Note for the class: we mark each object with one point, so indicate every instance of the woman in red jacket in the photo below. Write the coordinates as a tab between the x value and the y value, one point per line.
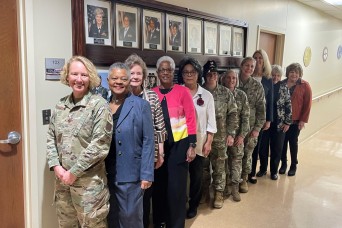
301	97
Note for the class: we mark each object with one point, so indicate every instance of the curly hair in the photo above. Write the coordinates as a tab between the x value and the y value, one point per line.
196	65
91	69
294	67
133	60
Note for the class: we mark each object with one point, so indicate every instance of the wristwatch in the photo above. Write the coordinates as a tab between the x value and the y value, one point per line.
193	145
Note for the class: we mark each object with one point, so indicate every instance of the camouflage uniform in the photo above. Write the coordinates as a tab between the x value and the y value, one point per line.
235	153
227	122
101	91
256	98
78	139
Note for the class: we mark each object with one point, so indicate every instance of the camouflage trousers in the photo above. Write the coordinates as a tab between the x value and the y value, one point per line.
234	164
217	159
249	144
83	204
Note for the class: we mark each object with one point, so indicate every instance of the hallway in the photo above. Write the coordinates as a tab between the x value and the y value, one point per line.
312	198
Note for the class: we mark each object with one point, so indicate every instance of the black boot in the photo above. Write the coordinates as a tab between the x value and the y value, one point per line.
283	168
292	171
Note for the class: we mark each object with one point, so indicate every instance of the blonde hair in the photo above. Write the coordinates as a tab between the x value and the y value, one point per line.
225	74
266	69
94	79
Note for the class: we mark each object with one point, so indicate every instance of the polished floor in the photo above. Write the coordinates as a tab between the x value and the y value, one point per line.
312	198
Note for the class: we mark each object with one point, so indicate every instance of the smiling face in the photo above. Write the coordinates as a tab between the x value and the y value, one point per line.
165	74
293	76
126	22
136	76
118	82
276	77
230	80
259	60
190	75
78	79
247	69
99	19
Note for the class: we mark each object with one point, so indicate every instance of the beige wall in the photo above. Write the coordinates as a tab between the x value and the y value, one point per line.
47	24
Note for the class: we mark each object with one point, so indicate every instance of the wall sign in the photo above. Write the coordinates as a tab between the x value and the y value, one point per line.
53	68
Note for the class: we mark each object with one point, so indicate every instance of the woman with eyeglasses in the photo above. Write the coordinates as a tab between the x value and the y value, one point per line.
189	73
130	162
169	193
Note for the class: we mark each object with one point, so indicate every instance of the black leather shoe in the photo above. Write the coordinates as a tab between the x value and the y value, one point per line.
274	177
261	173
160	225
192	212
282	169
252	180
292	171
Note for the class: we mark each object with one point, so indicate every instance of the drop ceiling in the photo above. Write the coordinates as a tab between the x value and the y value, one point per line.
321	5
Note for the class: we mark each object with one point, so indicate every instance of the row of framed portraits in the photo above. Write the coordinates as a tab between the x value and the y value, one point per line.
158	30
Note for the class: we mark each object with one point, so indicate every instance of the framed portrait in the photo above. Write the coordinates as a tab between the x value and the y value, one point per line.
97	22
153	29
225	40
127	26
194	36
210	38
174	33
151	81
238	40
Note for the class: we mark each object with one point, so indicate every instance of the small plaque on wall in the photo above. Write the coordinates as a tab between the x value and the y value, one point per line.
53	68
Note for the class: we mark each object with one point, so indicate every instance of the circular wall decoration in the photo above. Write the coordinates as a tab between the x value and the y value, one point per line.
307	56
325	54
339	52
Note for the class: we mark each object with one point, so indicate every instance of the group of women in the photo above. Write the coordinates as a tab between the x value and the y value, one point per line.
111	157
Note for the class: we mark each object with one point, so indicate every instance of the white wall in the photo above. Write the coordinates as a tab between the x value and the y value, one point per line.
49	35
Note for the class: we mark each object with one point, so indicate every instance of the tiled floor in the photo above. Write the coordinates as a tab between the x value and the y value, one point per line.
312	198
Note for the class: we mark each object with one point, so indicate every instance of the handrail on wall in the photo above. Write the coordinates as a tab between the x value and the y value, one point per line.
327	94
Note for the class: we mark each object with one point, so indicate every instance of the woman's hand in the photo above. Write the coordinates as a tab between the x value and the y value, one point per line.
254	134
145	184
59	171
160	161
285	127
238	140
266	125
229	140
190	154
301	125
68	178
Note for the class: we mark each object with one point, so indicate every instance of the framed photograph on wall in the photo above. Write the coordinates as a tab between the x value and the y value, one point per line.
175	33
210	38
238	40
127	26
194	36
225	40
153	29
97	22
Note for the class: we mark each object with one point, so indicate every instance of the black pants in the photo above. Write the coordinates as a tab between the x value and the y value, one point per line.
147	205
261	150
291	137
169	191
196	175
277	137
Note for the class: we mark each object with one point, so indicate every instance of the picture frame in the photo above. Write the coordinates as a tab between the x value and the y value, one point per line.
151	81
225	40
210	40
175	33
97	22
153	30
127	26
238	41
194	36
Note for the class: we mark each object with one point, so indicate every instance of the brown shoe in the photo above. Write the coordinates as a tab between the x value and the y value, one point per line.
243	186
218	200
235	193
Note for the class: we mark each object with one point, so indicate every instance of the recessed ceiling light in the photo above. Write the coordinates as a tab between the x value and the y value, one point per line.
334	2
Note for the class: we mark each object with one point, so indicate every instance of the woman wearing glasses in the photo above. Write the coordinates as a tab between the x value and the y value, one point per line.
169	193
189	73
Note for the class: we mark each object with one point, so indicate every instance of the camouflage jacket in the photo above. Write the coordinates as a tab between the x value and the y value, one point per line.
242	112
80	134
225	112
282	105
257	104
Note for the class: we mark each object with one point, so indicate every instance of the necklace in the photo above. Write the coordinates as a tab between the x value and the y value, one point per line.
116	101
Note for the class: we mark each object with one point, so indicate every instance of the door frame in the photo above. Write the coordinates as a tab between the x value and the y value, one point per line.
280	43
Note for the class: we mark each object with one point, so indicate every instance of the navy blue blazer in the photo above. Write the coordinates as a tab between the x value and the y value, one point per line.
268	88
134	140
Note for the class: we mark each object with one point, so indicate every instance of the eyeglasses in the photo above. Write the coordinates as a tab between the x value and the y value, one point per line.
167	70
200	101
189	73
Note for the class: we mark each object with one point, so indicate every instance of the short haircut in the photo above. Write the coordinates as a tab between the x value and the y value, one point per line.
276	69
247	59
121	66
294	67
225	74
133	60
91	69
99	11
166	59
193	62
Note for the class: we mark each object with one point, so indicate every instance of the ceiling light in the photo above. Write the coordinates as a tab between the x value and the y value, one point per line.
334	2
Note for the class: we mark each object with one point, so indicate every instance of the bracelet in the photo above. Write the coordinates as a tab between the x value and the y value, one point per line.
162	155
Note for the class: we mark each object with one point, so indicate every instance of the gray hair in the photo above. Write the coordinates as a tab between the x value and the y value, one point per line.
121	66
133	60
277	70
166	59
